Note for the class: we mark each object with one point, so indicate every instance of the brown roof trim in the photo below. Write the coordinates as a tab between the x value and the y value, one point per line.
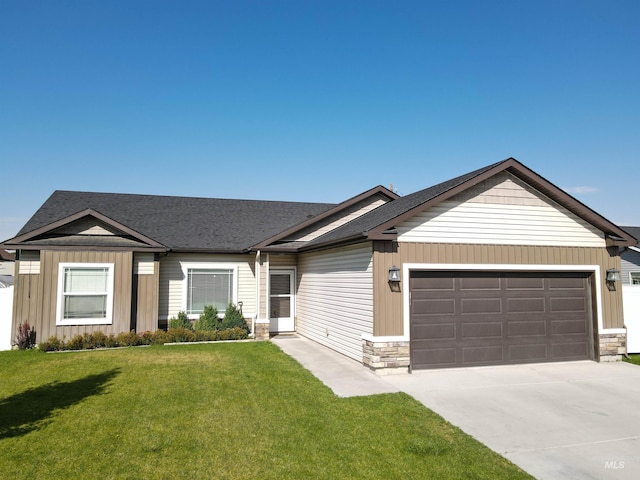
17	242
341	206
89	248
358	238
615	236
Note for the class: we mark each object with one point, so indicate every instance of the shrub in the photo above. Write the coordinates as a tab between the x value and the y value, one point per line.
128	339
161	337
111	341
51	345
99	340
235	333
181	321
146	338
26	337
233	318
208	320
181	335
76	343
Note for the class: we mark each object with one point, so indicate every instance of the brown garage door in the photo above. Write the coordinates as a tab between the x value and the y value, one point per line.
490	318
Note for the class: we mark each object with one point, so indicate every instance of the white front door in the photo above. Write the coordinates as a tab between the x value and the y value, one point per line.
281	300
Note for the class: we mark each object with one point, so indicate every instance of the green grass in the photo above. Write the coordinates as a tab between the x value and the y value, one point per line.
221	411
633	358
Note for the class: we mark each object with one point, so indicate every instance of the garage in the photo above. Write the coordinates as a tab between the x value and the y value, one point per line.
469	318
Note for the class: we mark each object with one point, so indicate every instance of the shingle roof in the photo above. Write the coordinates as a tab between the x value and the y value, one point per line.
183	223
633	231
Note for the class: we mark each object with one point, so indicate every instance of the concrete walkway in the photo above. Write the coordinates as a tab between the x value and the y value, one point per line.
346	377
572	420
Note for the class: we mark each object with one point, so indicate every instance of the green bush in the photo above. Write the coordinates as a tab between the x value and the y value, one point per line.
233	318
128	339
235	333
111	341
99	340
160	337
181	321
76	343
53	344
181	335
208	320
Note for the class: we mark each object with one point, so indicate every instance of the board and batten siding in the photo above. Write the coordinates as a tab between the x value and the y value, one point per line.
172	280
335	297
389	305
36	295
502	210
630	262
146	275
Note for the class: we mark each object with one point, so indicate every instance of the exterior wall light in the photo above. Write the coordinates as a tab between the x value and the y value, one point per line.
394	274
613	275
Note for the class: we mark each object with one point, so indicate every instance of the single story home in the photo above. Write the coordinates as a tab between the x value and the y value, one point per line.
497	266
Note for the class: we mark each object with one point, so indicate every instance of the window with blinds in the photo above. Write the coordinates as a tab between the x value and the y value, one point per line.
209	286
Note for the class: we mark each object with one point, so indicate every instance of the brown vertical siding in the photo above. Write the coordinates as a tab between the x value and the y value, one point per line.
388	304
147	300
36	296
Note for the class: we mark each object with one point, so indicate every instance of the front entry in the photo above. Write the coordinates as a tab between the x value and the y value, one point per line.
281	301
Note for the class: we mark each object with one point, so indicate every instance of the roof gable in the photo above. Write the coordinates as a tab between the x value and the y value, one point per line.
87	228
381	224
332	218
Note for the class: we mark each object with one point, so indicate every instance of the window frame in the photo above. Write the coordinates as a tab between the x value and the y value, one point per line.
631	274
108	319
229	267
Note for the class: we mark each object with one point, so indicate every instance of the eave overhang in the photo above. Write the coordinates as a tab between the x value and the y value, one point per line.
22	241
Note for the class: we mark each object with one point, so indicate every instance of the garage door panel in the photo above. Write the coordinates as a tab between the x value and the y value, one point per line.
481	330
432	283
483	355
476	306
568	304
438	357
566	282
526	328
526	283
434	307
492	318
528	353
569	351
438	331
479	283
526	305
564	327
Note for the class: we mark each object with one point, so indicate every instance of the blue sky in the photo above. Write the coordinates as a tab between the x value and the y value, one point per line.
315	100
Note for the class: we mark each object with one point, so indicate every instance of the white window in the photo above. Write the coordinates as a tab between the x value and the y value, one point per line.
634	278
85	294
212	284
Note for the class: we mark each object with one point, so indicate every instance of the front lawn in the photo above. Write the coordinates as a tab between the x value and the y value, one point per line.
633	358
223	411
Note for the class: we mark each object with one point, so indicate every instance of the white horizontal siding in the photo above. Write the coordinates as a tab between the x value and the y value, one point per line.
172	281
630	262
335	298
486	223
348	215
143	263
29	263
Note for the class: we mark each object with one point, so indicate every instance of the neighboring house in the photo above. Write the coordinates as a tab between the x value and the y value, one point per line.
630	277
7	262
497	266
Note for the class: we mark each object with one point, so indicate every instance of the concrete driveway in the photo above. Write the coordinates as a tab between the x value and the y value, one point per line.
576	420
